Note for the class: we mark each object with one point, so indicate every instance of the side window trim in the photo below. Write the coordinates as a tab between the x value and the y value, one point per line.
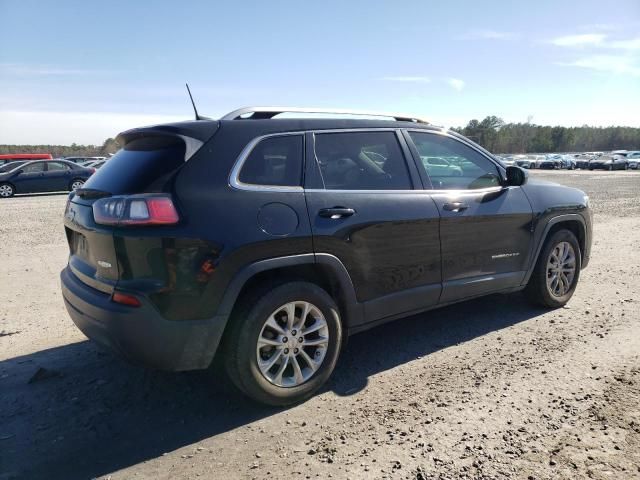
412	171
428	185
234	176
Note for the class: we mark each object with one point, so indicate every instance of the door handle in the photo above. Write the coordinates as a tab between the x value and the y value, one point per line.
336	212
455	206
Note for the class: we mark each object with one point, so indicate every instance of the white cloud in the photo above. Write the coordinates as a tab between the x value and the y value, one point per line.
615	64
42	70
630	44
456	83
408	79
587	39
599	40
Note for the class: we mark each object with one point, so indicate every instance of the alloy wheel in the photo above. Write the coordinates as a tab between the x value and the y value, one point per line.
6	191
292	344
561	269
77	184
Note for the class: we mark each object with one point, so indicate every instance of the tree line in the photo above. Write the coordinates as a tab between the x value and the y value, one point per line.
74	150
492	133
499	137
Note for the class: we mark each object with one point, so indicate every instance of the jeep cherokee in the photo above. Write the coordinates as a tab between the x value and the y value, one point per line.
269	240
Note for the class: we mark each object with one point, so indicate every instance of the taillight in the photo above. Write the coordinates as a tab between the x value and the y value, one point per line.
147	209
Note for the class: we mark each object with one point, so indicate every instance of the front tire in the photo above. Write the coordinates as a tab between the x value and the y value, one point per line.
7	190
557	270
283	344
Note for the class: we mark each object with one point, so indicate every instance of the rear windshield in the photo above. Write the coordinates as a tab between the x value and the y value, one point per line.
144	165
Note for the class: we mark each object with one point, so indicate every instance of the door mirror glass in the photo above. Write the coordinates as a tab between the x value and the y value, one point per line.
516	176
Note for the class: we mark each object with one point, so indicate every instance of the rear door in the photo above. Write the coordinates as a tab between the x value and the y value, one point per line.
368	210
485	228
58	175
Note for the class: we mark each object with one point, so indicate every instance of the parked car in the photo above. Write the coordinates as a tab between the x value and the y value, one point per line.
14	157
273	239
609	162
633	158
550	162
43	176
568	162
582	160
524	161
438	166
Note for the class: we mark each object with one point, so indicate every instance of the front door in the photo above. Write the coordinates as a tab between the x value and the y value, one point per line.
31	179
485	228
365	211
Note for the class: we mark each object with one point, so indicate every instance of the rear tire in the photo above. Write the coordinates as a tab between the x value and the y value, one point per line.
559	259
76	184
7	190
263	354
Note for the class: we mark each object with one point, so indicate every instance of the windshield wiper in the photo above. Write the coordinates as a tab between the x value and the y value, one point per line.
91	193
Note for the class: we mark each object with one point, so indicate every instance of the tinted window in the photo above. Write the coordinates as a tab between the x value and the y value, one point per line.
10	166
452	165
57	166
143	165
275	161
33	167
361	161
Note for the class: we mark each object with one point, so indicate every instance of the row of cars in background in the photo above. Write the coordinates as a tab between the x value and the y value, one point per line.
36	173
616	160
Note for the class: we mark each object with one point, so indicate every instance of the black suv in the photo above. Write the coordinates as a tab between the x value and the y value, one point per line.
270	240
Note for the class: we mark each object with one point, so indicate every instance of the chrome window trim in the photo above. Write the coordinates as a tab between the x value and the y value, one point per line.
234	176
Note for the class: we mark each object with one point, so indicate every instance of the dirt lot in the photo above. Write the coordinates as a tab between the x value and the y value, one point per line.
490	388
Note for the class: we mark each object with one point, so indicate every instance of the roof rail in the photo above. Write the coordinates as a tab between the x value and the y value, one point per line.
256	113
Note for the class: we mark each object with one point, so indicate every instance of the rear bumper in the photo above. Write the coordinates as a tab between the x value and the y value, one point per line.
141	335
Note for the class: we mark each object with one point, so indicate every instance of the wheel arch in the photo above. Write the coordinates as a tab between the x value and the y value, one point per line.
324	270
575	223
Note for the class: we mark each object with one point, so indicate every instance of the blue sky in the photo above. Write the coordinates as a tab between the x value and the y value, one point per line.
80	71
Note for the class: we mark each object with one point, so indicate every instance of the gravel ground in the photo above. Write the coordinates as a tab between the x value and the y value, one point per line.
490	388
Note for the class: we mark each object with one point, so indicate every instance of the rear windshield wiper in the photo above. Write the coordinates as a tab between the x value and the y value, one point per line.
91	193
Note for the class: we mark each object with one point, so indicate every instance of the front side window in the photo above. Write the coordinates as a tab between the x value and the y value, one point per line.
361	161
33	167
57	166
451	165
275	161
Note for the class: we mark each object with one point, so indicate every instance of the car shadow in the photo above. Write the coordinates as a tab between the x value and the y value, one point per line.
77	412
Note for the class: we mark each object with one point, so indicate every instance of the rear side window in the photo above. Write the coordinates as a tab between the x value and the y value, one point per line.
275	161
361	161
57	166
143	165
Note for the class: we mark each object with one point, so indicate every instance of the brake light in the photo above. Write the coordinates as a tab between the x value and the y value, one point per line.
125	299
136	210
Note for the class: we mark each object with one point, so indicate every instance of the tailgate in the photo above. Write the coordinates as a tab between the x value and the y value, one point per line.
92	254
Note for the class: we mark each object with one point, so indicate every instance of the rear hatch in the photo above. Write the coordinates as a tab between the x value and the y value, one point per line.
147	163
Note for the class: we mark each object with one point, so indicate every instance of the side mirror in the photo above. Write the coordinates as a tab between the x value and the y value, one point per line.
19	172
516	176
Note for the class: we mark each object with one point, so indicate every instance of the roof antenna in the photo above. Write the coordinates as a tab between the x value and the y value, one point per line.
198	117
